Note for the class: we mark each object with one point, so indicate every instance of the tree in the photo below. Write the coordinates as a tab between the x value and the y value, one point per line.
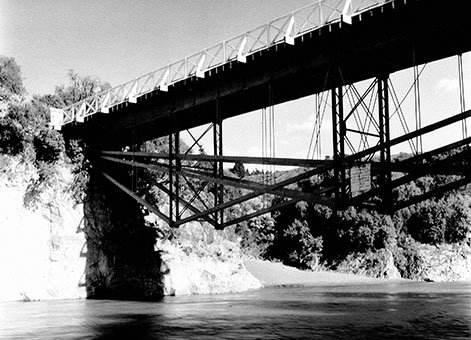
11	82
238	169
13	114
447	220
78	88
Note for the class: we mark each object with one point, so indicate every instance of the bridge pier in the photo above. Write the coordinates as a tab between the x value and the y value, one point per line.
121	261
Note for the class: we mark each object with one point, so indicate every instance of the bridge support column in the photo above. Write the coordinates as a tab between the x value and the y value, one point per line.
174	177
339	133
384	138
178	166
218	170
121	261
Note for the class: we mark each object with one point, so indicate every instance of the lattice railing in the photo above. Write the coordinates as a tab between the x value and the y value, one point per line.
280	30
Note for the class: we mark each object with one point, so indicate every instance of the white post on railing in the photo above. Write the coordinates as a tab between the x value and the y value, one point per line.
289	39
199	68
241	57
57	118
104	108
163	86
347	18
80	117
133	93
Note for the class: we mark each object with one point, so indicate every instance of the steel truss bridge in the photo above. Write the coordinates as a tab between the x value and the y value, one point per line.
324	49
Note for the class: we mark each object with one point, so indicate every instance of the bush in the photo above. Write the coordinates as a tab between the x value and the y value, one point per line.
49	145
47	178
76	152
407	258
11	137
257	235
365	230
458	226
445	221
296	246
428	223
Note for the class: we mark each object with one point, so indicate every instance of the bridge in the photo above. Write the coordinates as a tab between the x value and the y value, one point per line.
324	49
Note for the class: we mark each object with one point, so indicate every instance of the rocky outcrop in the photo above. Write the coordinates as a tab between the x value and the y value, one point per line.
42	247
441	263
446	262
379	264
203	260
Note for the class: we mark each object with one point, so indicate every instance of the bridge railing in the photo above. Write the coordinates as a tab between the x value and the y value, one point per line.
283	29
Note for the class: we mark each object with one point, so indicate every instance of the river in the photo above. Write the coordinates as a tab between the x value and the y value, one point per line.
400	310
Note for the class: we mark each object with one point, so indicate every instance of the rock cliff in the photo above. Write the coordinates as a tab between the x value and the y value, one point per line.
42	249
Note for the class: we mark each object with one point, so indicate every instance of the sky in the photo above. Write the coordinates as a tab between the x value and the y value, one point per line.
121	40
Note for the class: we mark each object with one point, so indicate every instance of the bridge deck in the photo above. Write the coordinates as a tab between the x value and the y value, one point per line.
382	40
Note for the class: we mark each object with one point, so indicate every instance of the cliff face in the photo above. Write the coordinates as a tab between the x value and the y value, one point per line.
42	250
102	249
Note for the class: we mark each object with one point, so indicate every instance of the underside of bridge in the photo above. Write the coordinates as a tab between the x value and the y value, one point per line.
330	60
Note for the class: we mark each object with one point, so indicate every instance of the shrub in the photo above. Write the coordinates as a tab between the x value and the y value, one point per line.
47	178
257	235
428	224
365	230
407	258
445	221
49	145
458	224
76	152
11	137
295	245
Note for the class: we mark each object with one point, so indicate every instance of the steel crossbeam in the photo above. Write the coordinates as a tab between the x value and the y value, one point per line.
299	162
249	185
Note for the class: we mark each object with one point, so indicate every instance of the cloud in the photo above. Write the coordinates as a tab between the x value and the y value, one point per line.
308	125
305	126
447	85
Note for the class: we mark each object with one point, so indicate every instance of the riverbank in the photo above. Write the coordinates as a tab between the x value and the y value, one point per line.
271	274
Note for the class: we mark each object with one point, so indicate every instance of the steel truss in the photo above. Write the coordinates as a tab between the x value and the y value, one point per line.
361	135
411	168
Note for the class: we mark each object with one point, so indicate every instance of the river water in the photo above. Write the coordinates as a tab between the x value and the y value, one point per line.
400	311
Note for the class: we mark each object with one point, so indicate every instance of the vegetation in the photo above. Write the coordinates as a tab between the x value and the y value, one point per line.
306	235
25	132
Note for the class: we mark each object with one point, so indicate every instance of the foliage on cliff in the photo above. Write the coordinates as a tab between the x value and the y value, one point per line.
25	132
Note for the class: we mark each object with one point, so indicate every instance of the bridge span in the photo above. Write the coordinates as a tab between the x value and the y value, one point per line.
325	47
